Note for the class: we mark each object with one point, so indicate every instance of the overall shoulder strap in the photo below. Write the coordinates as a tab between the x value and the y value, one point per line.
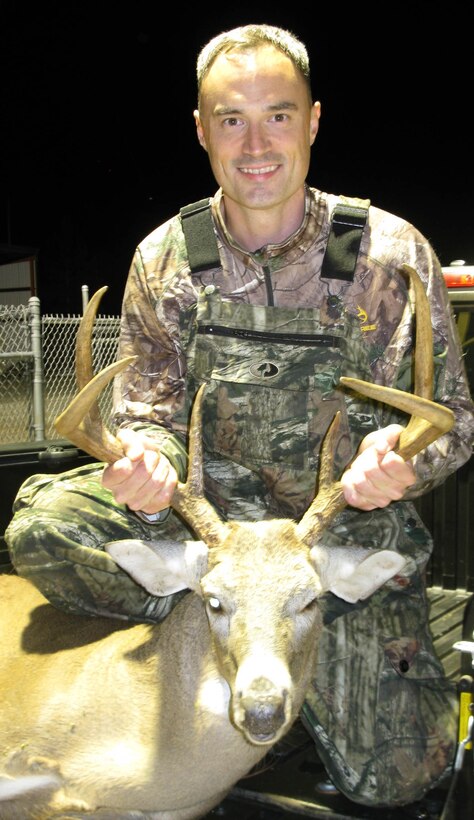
198	229
347	224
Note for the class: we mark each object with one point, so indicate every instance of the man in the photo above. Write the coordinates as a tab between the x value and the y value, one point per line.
270	323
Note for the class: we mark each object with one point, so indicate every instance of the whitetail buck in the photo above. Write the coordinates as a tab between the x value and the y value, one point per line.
104	719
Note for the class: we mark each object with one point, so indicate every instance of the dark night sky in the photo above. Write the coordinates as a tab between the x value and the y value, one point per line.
97	136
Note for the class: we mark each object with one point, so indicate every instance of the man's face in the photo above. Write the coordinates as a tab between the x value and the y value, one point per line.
257	124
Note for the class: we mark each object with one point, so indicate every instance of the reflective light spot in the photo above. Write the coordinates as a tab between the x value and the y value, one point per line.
213	696
124	756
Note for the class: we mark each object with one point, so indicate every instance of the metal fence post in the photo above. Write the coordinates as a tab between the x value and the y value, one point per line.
85	297
38	380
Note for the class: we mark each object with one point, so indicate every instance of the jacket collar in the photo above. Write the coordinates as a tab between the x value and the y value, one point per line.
313	230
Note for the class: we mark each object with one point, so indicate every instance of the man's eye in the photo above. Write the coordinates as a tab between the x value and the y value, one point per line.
231	121
280	117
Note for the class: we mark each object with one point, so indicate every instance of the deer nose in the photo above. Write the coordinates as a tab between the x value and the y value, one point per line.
264	710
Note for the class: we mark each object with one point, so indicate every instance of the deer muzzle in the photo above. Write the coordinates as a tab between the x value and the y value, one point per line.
263	712
262	699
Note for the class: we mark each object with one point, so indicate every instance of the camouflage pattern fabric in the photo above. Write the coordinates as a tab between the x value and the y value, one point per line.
381	712
271	395
56	540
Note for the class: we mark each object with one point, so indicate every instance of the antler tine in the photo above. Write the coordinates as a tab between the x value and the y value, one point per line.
189	498
428	420
81	422
83	360
329	499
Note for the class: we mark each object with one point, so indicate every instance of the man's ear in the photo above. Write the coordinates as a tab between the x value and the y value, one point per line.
314	121
199	130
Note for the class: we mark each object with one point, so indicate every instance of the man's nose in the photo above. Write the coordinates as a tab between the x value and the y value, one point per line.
256	139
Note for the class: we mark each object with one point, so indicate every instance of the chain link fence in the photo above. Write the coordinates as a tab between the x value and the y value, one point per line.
37	378
59	339
16	374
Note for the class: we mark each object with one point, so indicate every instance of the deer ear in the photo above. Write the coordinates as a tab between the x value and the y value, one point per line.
354	573
161	567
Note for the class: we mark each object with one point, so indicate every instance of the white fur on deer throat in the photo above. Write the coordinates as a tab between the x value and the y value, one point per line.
214	696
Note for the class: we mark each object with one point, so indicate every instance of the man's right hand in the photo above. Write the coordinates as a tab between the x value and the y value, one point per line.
144	478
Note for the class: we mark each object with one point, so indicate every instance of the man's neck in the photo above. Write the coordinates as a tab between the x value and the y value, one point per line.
253	229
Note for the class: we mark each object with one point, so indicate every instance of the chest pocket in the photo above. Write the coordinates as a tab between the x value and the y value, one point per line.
273	390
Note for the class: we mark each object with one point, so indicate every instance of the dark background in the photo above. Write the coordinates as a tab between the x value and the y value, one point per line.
97	141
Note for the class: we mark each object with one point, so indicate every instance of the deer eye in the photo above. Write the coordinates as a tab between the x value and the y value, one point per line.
214	603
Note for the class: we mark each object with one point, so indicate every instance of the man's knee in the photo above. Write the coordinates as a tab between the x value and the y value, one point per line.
56	538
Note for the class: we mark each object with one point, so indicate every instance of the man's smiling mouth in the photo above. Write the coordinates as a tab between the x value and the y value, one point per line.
256	171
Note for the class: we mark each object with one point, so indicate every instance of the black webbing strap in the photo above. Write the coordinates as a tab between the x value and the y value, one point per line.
347	225
198	229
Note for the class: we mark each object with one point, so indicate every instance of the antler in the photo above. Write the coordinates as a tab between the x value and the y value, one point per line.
427	422
81	423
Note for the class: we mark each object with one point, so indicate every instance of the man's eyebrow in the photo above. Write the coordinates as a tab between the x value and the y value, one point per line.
284	105
229	111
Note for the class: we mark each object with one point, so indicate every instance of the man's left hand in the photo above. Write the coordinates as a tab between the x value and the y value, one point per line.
377	475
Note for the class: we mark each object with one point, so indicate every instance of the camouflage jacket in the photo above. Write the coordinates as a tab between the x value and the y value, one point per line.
161	297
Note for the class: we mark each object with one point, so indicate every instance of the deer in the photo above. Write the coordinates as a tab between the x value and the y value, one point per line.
104	718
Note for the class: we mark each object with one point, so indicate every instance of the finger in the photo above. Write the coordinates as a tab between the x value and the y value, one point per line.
361	494
397	469
155	493
117	473
132	444
374	481
139	483
383	440
126	478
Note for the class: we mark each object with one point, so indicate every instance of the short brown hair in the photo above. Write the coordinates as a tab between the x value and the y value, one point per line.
250	37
